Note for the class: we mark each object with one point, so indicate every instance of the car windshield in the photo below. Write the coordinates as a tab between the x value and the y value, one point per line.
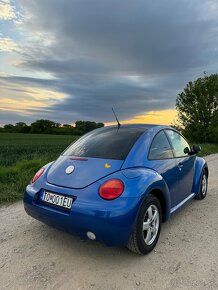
107	143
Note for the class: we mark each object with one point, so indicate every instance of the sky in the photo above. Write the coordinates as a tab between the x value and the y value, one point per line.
69	60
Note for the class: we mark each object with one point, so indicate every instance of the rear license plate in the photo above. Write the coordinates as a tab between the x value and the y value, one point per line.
57	200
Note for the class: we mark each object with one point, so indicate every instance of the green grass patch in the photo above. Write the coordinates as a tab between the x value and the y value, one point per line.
21	155
13	179
208	148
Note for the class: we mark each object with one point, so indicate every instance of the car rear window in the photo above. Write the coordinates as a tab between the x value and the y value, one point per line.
107	143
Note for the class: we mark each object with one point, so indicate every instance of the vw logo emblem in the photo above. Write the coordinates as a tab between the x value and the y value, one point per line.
69	169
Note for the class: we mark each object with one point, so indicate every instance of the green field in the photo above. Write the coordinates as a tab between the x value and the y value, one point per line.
21	155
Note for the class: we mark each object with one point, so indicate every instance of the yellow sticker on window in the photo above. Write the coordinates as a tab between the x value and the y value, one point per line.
107	165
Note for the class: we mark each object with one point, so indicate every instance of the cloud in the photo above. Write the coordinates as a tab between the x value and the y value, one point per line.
86	96
7	45
132	55
138	37
7	10
26	98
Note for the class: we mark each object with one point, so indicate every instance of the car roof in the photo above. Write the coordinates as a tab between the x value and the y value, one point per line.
142	126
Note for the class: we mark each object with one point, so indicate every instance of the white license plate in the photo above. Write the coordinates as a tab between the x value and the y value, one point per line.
57	200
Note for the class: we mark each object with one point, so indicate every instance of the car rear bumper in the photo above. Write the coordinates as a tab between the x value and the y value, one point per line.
110	221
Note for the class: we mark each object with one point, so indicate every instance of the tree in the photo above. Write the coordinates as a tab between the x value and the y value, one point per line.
8	127
197	108
20	124
21	127
57	125
100	125
83	127
42	126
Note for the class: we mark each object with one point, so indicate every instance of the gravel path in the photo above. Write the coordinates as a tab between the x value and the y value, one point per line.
34	256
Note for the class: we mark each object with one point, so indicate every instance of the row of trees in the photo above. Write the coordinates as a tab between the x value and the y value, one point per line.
50	127
197	108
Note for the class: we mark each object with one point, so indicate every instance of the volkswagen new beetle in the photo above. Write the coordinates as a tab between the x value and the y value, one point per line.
117	185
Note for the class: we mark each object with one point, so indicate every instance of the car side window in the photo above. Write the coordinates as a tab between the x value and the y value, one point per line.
160	148
178	142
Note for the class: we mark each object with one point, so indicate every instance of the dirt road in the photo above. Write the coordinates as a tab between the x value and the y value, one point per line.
34	256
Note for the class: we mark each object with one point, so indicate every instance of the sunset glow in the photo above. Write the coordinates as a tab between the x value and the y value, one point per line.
164	117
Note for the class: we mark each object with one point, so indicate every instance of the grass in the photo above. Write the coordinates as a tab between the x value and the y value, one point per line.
21	155
208	148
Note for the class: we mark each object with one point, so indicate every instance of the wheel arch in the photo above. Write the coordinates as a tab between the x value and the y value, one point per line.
161	198
207	170
145	181
161	192
200	165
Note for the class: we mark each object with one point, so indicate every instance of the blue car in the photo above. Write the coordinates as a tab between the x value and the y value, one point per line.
117	185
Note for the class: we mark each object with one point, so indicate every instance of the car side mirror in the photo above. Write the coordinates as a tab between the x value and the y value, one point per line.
186	150
196	149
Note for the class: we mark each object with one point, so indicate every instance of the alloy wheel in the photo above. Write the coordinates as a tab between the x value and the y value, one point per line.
151	223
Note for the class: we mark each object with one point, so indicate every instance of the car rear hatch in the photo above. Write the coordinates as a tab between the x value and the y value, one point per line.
85	171
93	156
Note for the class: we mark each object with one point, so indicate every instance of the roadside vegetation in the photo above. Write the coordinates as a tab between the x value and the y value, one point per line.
208	148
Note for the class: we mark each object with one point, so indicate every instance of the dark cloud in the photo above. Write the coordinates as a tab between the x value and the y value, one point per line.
133	55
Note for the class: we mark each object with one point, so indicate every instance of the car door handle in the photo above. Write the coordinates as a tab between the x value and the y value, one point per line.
180	165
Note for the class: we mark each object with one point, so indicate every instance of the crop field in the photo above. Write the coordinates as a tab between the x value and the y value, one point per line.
21	155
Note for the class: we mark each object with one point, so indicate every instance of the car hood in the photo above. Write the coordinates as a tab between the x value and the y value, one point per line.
86	171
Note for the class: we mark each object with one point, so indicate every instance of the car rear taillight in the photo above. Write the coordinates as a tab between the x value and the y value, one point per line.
111	189
38	174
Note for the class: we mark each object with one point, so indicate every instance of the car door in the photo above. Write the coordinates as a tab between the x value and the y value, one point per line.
185	164
161	159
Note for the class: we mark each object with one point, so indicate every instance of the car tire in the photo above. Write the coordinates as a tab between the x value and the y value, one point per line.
203	186
147	227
